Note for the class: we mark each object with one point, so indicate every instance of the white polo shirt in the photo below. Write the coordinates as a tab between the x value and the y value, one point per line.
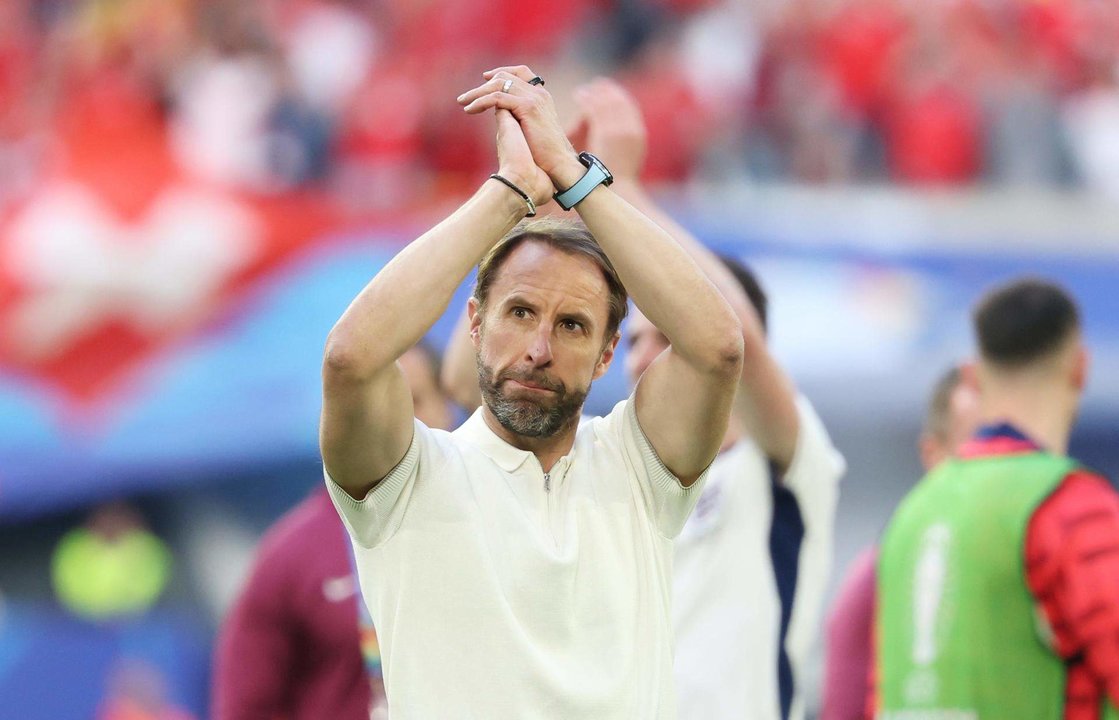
751	570
501	592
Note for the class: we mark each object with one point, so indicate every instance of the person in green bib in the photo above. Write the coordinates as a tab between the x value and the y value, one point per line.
998	577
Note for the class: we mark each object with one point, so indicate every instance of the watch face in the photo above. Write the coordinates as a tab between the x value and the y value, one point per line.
597	174
592	160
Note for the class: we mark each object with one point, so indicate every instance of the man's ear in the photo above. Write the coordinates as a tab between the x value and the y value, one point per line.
607	356
1080	363
969	375
931	450
475	315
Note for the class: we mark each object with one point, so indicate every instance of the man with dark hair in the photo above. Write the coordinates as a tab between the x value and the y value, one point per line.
297	643
998	578
748	281
752	563
520	566
950	419
1019	323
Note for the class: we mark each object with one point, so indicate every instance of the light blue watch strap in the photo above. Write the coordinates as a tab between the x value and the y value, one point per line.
574	195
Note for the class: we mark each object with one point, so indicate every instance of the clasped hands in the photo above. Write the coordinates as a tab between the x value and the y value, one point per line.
532	149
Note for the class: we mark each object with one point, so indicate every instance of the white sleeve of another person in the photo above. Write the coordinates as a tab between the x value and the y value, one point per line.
813	478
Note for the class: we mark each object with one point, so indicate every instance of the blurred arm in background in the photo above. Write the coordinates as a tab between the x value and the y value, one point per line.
459	375
610	125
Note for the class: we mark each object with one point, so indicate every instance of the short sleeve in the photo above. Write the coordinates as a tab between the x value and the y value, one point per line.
376	517
813	479
1072	567
668	501
814	473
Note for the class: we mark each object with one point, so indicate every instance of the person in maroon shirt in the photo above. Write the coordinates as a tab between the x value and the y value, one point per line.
289	649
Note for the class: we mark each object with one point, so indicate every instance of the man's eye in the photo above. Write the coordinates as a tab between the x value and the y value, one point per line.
520	312
572	325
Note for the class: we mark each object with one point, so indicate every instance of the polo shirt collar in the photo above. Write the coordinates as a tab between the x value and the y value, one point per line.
478	433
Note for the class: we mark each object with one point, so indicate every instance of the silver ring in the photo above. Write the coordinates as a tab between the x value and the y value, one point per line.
505	87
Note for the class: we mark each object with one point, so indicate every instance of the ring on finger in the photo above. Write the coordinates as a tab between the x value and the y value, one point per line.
536	81
506	85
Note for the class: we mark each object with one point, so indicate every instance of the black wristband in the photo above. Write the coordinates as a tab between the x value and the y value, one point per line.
522	193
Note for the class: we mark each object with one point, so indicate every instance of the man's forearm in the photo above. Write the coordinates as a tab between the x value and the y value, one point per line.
413	290
664	281
725	282
765	403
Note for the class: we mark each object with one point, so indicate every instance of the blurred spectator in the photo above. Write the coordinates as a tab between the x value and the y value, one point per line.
932	123
138	691
19	137
802	130
352	97
1092	118
719	53
1025	141
111	566
298	642
224	97
330	49
951	419
678	122
858	44
933	135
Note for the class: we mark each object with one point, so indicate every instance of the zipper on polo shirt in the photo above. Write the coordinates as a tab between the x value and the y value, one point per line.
547	482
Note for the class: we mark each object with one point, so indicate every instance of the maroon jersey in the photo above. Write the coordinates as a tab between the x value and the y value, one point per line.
289	648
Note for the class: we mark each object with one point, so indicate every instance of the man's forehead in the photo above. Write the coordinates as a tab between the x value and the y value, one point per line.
538	267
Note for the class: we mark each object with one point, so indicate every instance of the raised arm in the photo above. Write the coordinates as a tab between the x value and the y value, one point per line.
367	407
459	373
684	399
611	126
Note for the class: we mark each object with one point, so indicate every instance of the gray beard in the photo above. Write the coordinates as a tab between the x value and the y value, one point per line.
529	418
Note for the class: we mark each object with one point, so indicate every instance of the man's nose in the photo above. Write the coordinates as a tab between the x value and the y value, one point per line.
540	346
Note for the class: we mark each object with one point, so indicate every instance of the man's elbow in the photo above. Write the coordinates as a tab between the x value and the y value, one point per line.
344	360
339	359
728	352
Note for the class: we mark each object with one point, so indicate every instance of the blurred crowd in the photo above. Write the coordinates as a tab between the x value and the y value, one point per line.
355	98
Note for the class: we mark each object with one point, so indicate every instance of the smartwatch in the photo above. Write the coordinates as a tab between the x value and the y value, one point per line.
596	175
